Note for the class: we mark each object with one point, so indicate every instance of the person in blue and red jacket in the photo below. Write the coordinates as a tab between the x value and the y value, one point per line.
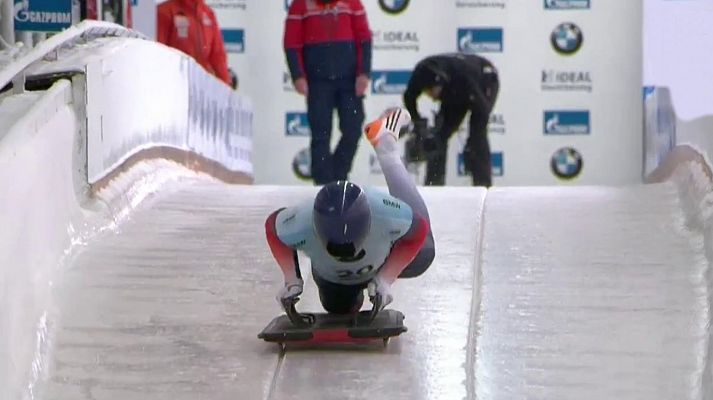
328	49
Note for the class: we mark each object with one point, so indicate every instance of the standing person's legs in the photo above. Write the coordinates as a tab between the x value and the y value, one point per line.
436	163
351	118
477	149
476	153
448	121
321	99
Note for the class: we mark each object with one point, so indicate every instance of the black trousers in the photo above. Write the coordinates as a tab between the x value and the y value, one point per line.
339	299
476	152
346	299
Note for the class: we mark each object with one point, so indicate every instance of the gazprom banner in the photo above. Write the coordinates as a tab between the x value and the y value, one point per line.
564	115
43	15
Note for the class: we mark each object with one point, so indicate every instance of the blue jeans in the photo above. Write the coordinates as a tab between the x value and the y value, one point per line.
323	97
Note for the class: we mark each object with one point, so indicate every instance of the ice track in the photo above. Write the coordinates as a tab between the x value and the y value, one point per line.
535	293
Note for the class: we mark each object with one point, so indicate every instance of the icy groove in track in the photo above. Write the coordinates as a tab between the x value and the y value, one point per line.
276	374
475	308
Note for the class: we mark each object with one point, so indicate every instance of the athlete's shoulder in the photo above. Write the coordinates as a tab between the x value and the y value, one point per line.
387	206
294	224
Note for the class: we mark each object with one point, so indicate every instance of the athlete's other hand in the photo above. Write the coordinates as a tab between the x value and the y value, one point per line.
290	293
379	294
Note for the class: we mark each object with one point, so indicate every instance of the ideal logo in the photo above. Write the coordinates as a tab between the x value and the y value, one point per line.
389	82
396	40
396	36
566	122
567	4
480	40
570	81
497	164
234	40
296	124
496	124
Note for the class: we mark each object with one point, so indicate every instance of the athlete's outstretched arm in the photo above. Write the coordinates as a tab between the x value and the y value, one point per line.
285	256
383	134
405	249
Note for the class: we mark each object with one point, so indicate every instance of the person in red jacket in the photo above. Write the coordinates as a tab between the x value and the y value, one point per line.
328	49
191	26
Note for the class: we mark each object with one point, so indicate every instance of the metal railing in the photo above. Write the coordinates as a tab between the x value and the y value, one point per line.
14	63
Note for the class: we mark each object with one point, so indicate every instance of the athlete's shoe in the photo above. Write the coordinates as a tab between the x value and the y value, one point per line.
389	123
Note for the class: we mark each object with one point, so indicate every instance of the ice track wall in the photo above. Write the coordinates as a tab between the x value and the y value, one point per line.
169	103
61	147
39	215
689	168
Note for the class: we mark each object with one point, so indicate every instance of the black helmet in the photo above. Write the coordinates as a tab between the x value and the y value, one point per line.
342	219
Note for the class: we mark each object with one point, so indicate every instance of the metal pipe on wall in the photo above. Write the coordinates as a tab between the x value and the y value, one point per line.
7	23
25	38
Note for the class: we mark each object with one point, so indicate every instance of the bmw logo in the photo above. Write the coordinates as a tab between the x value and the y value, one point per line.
566	163
393	6
301	164
567	38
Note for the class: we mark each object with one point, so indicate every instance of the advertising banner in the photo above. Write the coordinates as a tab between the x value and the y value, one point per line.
43	15
569	107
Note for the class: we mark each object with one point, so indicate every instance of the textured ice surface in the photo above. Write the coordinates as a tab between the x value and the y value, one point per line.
590	293
584	293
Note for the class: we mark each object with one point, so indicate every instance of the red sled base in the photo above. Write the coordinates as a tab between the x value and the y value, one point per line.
332	328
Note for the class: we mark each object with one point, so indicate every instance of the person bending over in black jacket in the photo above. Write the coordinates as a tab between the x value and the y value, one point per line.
462	83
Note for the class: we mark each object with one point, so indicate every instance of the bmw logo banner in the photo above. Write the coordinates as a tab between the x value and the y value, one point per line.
569	109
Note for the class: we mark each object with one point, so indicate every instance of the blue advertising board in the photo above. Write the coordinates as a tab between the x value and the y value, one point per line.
43	15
